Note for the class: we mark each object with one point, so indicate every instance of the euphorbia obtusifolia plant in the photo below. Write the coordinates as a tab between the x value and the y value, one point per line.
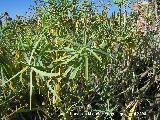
70	59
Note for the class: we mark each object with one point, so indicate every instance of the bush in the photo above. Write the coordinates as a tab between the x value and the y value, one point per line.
68	59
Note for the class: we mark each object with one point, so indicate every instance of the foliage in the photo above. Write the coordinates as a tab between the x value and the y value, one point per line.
69	58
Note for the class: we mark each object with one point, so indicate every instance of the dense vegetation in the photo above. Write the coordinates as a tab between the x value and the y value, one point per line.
70	57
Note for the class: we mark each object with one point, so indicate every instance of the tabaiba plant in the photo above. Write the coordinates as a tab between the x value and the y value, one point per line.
70	58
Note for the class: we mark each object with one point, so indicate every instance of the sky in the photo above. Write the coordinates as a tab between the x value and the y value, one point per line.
20	7
15	7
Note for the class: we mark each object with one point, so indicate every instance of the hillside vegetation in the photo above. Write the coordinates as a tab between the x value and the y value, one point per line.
71	57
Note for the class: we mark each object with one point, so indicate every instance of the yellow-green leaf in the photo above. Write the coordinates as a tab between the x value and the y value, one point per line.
73	74
43	73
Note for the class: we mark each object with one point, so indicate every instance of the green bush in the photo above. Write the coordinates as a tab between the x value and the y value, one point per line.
68	58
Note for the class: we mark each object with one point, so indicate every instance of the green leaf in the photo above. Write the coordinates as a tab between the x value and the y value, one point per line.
24	54
103	45
24	69
43	73
21	79
95	55
43	20
70	59
44	48
62	58
74	56
67	71
104	53
7	67
68	49
33	51
73	74
30	93
52	91
86	67
2	76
